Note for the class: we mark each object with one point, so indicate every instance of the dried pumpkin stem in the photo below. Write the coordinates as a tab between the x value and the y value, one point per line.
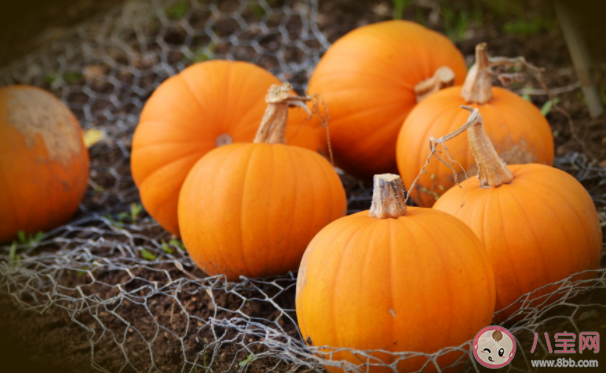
492	171
273	126
444	77
478	84
388	197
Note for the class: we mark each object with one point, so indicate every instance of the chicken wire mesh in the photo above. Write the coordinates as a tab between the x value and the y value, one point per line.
131	286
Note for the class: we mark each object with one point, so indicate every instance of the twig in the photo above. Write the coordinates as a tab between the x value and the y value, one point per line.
553	91
433	147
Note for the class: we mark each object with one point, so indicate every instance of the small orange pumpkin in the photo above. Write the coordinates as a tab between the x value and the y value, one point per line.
370	79
251	209
394	279
205	106
43	161
538	224
519	131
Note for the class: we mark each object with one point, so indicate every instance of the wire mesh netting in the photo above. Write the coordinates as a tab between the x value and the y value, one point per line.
128	284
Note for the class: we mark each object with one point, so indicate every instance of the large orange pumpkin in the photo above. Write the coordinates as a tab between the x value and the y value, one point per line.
519	131
43	161
370	79
538	224
205	106
251	209
394	279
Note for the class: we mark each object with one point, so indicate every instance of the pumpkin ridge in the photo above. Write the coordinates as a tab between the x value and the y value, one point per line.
428	234
562	198
356	231
586	235
536	243
247	175
546	203
295	193
141	180
326	177
192	92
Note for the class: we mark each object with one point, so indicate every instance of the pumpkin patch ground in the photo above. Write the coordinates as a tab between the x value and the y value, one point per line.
113	290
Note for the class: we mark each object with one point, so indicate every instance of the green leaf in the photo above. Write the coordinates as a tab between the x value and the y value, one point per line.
556	133
72	77
147	255
548	105
527	97
135	209
37	238
257	10
176	243
166	248
177	10
21	236
398	8
12	254
249	359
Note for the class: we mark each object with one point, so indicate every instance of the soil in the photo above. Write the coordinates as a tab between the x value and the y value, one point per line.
53	342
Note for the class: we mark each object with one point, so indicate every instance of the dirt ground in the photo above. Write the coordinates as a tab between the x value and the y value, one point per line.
53	342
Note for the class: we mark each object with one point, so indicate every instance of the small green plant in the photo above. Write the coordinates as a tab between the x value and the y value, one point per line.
249	359
147	255
14	260
556	133
72	77
257	10
50	78
167	249
177	10
398	8
135	210
30	239
455	24
522	27
546	108
176	243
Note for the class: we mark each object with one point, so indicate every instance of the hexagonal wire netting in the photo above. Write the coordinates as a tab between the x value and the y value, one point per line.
131	286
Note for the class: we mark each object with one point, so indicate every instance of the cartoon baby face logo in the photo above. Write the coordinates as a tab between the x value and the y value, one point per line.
494	347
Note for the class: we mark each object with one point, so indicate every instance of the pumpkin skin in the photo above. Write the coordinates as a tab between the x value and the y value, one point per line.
251	209
43	161
419	282
540	228
188	115
367	80
517	129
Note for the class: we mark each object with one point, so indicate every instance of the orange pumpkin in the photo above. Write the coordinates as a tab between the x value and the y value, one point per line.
370	79
538	224
205	106
251	209
43	161
394	279
519	131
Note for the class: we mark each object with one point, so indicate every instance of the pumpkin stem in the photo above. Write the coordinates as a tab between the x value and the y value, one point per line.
492	171
273	126
478	84
387	197
444	77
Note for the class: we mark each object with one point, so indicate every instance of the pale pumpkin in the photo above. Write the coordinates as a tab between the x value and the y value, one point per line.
518	130
43	161
205	106
538	224
251	209
370	79
394	279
